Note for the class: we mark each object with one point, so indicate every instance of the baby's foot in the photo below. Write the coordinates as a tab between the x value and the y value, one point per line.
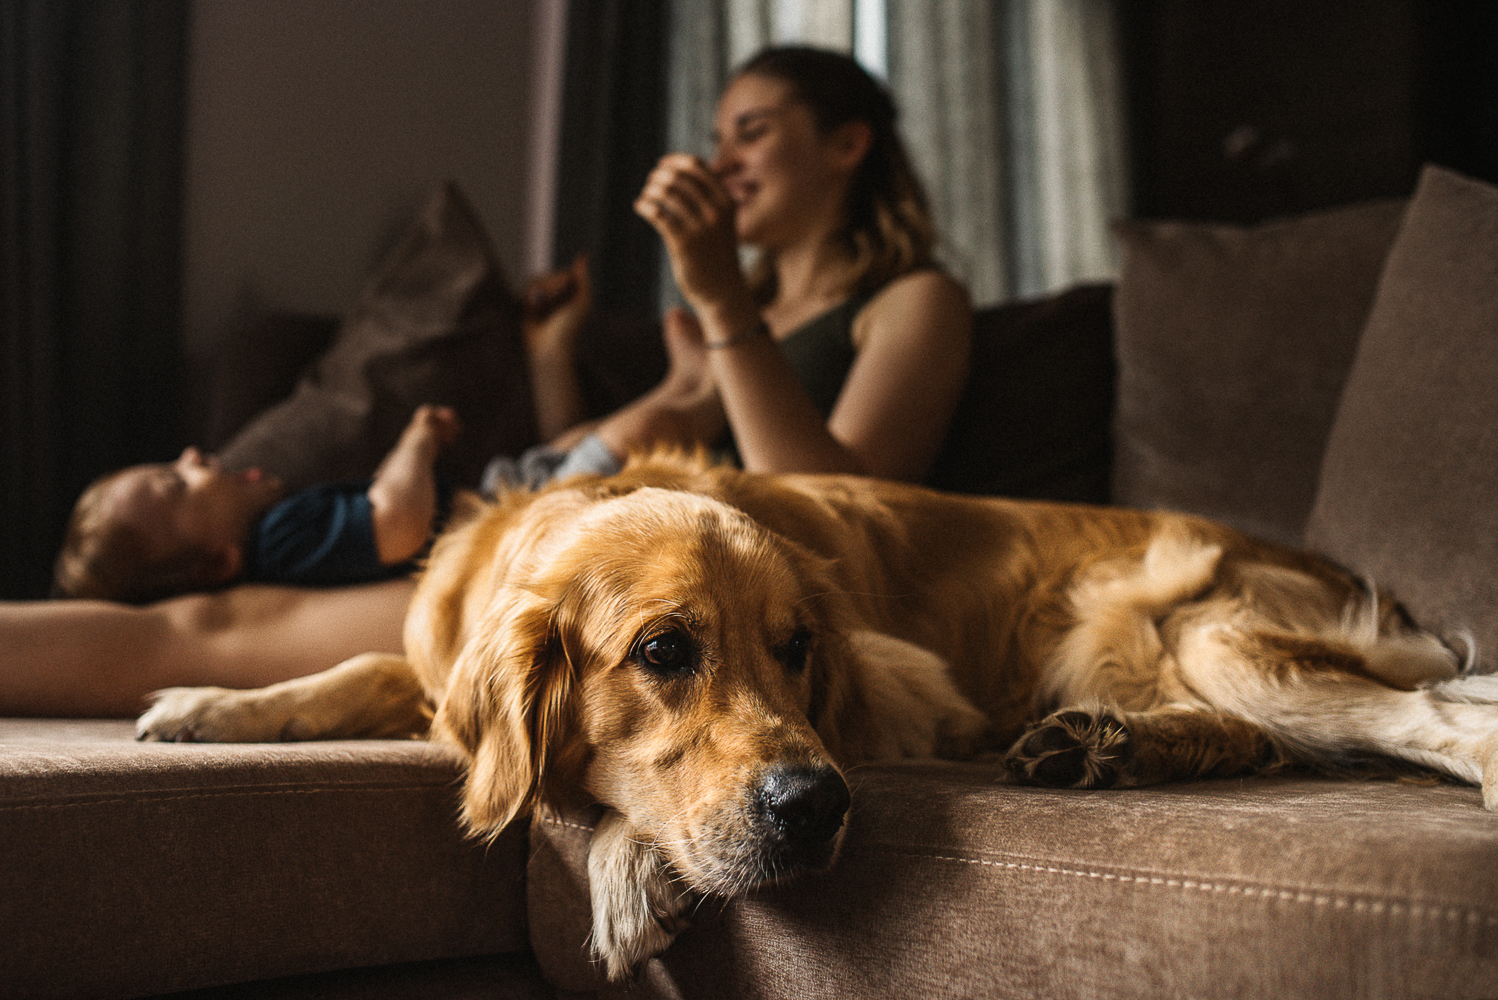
555	307
687	376
430	429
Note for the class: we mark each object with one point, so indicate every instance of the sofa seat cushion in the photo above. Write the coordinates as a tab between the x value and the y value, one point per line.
951	885
132	869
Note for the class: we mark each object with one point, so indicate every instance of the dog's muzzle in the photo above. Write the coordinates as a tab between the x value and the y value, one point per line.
799	809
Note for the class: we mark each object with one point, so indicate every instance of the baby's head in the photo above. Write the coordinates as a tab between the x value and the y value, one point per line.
150	531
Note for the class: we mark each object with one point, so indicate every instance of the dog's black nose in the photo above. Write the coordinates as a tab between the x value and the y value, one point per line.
804	803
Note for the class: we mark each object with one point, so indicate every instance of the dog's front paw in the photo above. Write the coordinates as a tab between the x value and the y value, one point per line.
1073	749
209	715
639	906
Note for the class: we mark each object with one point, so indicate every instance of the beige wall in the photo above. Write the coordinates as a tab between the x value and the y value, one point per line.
315	127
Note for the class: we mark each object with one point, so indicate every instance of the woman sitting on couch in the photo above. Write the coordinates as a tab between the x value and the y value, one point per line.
845	350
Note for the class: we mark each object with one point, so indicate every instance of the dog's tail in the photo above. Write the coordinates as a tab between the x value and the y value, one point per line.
1395	652
1114	649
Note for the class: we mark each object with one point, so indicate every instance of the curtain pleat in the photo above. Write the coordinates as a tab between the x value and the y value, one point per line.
92	93
613	131
947	73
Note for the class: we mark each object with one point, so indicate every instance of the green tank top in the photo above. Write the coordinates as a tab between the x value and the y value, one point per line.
820	353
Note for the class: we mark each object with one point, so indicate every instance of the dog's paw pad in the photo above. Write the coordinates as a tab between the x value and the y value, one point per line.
1073	749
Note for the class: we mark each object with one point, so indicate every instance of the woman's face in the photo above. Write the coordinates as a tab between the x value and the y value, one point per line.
785	176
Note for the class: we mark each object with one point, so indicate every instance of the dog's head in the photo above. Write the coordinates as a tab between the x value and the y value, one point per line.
661	653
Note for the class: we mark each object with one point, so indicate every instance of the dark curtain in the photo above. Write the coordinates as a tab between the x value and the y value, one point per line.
91	123
613	131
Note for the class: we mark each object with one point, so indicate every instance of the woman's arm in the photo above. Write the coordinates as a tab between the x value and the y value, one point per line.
913	341
98	659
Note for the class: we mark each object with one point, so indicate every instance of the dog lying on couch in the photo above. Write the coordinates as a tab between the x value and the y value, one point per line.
704	651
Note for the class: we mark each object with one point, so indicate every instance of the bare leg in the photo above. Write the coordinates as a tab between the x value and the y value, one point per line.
556	307
97	659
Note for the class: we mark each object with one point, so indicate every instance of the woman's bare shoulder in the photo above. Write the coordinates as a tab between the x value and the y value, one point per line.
927	283
928	302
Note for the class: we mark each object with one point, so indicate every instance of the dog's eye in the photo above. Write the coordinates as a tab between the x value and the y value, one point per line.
793	654
667	653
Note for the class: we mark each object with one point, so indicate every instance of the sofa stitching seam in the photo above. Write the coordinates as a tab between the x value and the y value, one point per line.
1321	899
228	793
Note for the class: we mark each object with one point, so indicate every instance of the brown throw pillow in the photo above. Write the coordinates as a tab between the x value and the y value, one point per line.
1233	344
436	324
1033	419
1409	487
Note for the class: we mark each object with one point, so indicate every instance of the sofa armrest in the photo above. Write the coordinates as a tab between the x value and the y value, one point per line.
140	868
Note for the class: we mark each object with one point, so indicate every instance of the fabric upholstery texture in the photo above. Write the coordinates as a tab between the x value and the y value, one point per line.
1034	418
1409	488
951	885
1233	344
133	869
436	324
514	976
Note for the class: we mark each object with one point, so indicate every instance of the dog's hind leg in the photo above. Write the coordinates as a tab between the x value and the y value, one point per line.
1328	700
1108	748
1339	721
370	696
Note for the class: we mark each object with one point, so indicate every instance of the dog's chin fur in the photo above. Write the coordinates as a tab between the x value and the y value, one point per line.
701	650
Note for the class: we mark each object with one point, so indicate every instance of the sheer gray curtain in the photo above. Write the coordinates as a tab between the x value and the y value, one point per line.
1012	110
90	177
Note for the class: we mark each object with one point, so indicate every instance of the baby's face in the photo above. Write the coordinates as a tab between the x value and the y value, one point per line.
192	500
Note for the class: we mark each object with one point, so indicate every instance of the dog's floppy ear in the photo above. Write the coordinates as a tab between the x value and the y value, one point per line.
507	705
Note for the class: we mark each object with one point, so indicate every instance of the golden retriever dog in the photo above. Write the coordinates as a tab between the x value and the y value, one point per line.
703	651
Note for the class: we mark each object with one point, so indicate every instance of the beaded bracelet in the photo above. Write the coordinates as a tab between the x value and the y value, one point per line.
760	329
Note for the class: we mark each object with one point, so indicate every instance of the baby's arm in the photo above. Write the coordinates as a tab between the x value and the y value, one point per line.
403	496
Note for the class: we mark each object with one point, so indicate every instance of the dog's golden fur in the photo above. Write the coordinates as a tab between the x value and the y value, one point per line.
700	650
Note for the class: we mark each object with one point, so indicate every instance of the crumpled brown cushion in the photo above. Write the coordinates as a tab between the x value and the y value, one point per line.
1233	344
436	324
1409	487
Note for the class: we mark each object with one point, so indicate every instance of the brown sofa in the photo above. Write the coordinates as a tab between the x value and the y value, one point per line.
1326	379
